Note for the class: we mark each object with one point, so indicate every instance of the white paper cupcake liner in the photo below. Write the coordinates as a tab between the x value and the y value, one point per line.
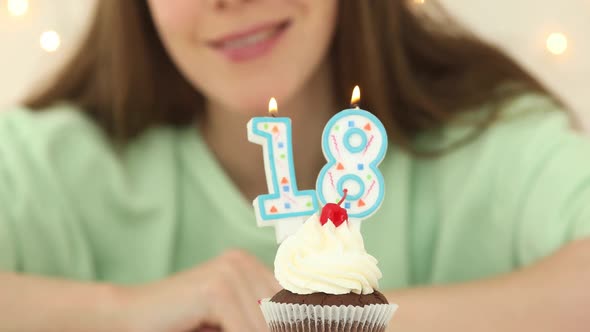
282	317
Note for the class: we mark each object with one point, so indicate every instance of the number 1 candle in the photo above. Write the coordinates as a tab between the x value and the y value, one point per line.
284	207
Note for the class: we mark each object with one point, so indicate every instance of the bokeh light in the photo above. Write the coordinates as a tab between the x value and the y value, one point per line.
50	41
17	7
557	43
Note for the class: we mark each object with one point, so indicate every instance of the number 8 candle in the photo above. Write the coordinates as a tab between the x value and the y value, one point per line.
285	207
354	143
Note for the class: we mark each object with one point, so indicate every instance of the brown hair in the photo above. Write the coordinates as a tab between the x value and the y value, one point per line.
419	71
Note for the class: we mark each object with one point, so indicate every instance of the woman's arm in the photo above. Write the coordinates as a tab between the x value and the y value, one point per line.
553	295
219	293
41	304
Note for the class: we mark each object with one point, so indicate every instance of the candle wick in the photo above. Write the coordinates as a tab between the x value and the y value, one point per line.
273	114
345	191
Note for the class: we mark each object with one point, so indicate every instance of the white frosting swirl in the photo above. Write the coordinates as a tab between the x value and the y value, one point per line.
326	259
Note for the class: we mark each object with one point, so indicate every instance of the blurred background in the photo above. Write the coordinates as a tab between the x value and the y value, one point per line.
548	37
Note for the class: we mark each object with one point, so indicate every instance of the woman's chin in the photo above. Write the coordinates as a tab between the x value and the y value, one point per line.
255	103
243	106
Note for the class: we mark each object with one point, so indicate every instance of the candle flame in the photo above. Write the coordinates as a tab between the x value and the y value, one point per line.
273	107
356	96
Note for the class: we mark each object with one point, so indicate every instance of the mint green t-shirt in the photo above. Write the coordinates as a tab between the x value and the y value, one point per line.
71	207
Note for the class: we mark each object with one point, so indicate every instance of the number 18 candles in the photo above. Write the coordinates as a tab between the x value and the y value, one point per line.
354	143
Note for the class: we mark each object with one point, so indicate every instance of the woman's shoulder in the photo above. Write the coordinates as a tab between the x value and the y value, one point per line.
532	125
523	119
538	165
49	146
531	132
63	125
64	143
65	128
531	112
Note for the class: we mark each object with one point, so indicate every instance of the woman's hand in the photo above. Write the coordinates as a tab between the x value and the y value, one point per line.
220	293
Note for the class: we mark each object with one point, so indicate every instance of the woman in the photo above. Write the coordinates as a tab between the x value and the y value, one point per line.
126	181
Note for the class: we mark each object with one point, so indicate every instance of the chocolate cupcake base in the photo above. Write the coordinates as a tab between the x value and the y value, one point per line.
287	312
359	300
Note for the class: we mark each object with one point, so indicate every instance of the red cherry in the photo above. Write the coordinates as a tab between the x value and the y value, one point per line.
334	212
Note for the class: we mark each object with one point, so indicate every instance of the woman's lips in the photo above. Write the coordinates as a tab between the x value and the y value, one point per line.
252	43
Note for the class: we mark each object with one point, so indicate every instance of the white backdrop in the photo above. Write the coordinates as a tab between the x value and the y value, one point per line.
519	26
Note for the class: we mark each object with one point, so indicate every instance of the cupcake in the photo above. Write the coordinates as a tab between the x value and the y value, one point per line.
330	282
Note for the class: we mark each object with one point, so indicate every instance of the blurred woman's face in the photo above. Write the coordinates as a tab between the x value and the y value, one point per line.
239	53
